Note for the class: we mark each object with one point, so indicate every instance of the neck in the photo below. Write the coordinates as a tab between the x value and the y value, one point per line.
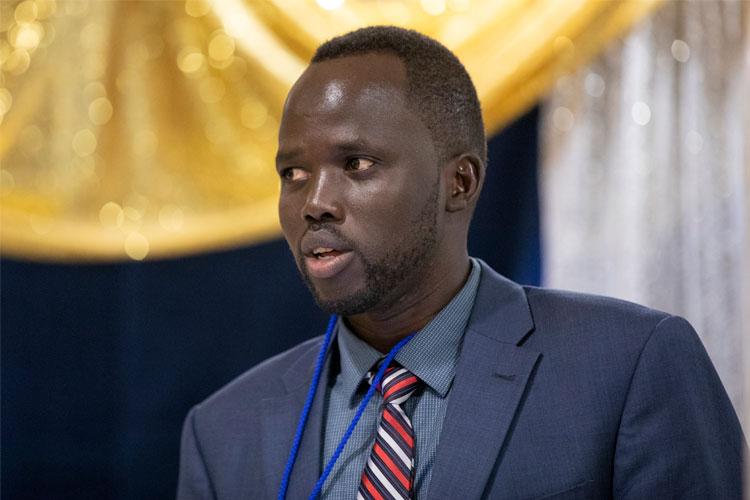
384	327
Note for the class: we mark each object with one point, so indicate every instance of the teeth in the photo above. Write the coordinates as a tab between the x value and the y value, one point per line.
321	250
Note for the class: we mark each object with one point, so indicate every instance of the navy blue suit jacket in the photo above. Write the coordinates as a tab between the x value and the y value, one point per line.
556	395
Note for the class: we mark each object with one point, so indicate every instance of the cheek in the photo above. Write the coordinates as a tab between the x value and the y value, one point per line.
376	205
384	214
288	217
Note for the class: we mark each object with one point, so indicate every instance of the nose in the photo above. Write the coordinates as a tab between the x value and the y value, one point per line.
323	202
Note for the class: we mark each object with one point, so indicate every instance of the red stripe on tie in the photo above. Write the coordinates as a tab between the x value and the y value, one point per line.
396	387
391	466
385	472
371	488
387	372
399	428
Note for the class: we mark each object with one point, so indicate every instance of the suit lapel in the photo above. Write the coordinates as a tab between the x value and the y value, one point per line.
280	418
489	384
491	378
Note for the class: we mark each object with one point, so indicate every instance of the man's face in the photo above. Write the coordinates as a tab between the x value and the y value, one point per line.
360	184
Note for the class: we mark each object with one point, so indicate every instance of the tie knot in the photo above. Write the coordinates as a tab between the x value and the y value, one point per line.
398	384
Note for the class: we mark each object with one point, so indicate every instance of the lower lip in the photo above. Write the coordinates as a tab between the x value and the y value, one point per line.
328	267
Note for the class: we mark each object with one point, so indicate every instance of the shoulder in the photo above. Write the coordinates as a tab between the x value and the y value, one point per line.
608	335
608	330
553	317
579	335
586	313
264	380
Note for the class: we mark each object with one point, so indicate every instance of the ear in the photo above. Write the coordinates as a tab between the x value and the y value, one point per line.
464	175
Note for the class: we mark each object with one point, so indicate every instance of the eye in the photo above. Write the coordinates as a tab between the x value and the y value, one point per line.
358	164
293	174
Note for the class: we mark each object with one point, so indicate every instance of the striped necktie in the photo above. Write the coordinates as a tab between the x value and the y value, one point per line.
389	473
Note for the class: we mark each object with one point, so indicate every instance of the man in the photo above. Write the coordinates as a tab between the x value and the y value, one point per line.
503	391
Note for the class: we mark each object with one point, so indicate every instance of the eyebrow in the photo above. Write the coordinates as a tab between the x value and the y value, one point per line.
282	156
351	146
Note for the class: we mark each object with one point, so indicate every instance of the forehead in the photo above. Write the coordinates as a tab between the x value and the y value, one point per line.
363	96
353	103
328	85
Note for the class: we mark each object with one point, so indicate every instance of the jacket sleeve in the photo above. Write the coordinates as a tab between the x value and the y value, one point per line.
194	482
679	436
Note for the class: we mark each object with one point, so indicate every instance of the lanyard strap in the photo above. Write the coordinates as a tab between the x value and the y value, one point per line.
308	404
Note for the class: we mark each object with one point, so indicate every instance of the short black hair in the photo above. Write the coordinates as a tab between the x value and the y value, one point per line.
439	87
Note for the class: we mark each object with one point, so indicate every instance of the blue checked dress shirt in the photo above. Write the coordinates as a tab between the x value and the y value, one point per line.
431	355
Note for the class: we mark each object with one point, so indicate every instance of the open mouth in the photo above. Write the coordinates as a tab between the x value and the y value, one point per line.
324	262
323	253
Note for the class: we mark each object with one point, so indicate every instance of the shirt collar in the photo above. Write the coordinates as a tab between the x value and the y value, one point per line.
431	355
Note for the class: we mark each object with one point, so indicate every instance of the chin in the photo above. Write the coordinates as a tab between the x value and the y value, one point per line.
347	305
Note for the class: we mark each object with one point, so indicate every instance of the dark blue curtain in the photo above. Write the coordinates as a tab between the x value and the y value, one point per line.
100	363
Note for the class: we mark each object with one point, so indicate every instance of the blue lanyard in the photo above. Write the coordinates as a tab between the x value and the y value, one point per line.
308	404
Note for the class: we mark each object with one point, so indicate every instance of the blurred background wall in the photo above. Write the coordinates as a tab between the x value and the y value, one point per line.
142	266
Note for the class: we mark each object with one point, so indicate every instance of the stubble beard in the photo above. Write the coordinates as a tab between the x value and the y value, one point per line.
391	271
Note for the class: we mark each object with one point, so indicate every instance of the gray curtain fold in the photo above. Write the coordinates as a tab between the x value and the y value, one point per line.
644	174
